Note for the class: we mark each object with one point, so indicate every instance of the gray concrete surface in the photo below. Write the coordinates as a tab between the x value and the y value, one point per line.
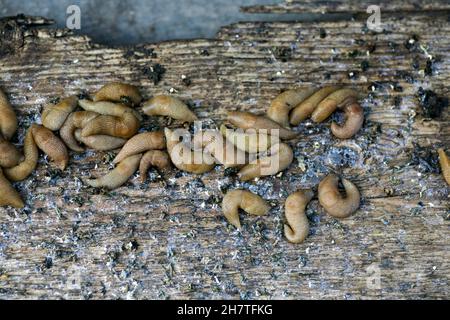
119	22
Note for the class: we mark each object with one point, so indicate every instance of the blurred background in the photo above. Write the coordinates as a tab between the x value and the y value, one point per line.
123	22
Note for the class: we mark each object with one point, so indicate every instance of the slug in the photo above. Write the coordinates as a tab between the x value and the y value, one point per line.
184	158
297	228
247	120
116	91
157	158
54	115
140	143
9	155
164	105
27	166
8	119
50	145
100	142
8	195
354	118
445	165
119	175
337	99
245	200
249	140
333	202
76	120
279	158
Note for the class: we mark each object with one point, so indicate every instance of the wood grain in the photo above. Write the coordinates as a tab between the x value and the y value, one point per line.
168	239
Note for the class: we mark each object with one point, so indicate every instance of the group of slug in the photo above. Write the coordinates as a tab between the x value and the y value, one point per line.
109	121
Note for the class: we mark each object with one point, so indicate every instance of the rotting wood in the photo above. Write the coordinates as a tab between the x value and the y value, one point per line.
168	239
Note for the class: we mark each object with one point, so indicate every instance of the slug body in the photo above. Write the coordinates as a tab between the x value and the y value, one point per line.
117	91
9	154
157	158
8	195
280	158
245	200
354	118
445	165
164	105
184	158
51	145
76	120
247	120
333	202
281	106
119	175
115	120
54	116
27	166
220	148
140	143
100	142
337	99
297	228
8	119
304	109
249	141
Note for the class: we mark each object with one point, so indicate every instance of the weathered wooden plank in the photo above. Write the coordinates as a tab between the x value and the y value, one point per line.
349	6
167	238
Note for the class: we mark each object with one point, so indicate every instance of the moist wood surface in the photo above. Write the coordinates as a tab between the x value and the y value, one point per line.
167	238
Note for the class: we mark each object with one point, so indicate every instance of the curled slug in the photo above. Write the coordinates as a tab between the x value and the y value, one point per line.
100	142
245	200
445	164
76	120
279	158
247	120
119	175
304	109
54	115
8	119
156	158
184	158
164	105
297	228
51	145
115	120
27	166
337	99
333	202
281	106
249	140
8	195
140	143
220	148
9	155
354	118
116	91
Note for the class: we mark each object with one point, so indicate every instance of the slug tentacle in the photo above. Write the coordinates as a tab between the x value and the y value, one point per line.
8	195
225	153
184	158
76	120
117	91
157	158
9	154
8	119
50	145
140	143
445	164
245	200
54	115
333	202
247	120
249	141
100	142
304	109
279	158
333	101
354	118
27	166
119	175
164	105
297	227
